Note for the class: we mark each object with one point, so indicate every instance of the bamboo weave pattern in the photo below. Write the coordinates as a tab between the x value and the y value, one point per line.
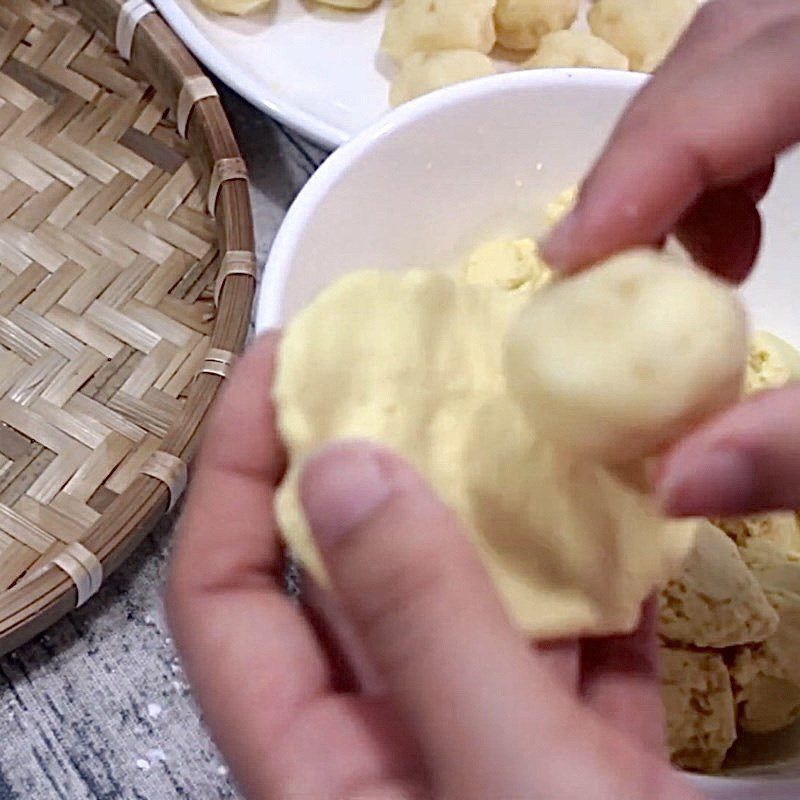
108	260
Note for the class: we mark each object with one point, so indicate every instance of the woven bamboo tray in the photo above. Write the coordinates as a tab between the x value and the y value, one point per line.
126	281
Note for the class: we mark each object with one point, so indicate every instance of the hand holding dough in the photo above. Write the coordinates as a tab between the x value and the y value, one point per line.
415	362
622	360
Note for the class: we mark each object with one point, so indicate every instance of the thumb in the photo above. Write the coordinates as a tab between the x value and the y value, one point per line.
745	461
490	718
428	616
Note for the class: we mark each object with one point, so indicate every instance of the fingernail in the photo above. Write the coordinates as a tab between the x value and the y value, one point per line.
342	487
557	245
718	482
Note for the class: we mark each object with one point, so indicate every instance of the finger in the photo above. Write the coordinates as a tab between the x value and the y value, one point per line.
619	680
722	231
238	467
423	605
745	461
758	184
224	598
490	718
671	147
563	660
719	29
254	663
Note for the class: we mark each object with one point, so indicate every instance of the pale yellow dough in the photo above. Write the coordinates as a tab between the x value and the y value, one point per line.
368	357
415	362
422	73
521	24
422	26
575	48
507	264
618	362
557	209
644	30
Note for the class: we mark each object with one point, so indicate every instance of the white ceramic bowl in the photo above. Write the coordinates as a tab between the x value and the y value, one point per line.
484	158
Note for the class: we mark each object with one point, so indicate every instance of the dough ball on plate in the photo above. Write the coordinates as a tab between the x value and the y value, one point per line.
620	361
576	49
422	26
644	30
521	24
422	73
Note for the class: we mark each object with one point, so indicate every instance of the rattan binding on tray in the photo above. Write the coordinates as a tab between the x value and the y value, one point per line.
123	301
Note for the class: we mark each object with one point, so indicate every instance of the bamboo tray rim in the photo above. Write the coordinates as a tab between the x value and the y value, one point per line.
154	53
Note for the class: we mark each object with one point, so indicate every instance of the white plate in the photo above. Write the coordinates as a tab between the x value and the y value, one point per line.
312	69
316	70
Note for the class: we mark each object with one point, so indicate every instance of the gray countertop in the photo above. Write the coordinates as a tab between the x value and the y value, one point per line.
98	708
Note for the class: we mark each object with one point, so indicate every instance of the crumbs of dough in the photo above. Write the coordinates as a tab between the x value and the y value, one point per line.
508	264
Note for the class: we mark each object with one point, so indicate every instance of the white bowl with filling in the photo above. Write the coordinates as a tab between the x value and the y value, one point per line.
482	161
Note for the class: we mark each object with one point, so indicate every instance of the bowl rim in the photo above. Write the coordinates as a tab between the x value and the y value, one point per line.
290	232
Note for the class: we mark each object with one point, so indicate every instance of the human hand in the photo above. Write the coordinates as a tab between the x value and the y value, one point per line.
456	703
693	155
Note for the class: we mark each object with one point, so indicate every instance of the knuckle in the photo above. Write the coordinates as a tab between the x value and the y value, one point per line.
717	16
713	15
